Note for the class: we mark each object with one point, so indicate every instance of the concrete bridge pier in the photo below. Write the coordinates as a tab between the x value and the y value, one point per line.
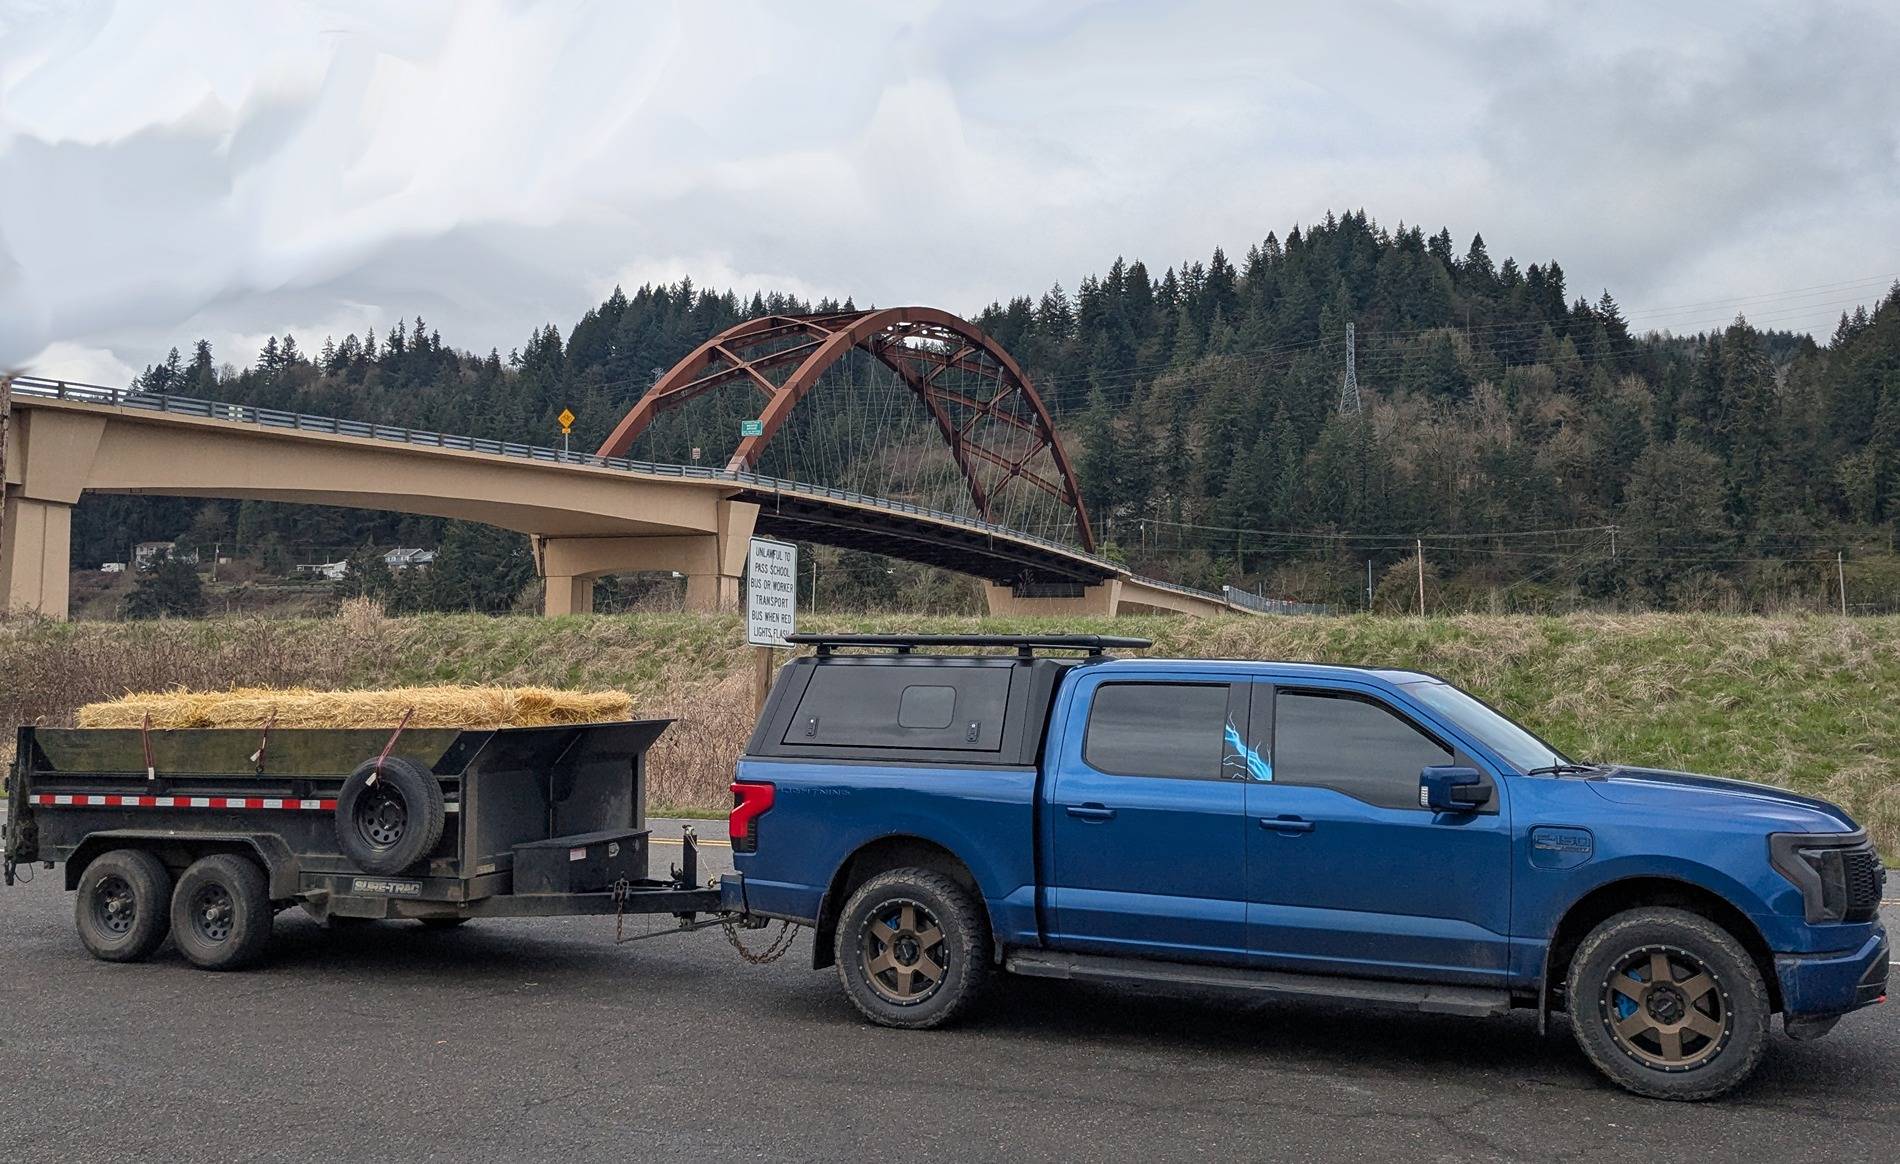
713	563
47	460
1110	597
1059	601
35	570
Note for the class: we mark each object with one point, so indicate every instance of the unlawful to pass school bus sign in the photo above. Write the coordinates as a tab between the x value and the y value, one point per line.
771	592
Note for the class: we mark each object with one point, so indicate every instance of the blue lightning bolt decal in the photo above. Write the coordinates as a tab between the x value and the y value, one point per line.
1243	759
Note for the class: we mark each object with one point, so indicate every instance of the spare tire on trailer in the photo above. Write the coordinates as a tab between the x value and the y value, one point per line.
389	825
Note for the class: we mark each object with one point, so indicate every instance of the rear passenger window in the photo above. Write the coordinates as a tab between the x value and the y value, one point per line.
1351	744
1157	729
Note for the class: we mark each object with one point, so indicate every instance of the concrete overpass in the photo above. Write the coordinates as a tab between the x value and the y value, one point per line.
588	516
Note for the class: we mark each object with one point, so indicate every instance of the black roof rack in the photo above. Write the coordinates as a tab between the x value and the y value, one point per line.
1025	645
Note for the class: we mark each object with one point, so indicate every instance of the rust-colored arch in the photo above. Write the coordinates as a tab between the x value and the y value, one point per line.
809	345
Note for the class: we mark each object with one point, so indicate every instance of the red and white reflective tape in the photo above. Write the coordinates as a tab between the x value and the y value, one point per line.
82	800
85	801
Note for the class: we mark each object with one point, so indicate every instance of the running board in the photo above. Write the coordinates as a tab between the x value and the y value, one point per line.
1430	998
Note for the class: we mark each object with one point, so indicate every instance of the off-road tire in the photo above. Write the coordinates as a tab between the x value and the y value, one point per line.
1692	946
221	912
123	907
947	929
391	825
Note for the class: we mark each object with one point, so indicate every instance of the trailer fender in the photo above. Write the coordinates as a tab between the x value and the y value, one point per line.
180	850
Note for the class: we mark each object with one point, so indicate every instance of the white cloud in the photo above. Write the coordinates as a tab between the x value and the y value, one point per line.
234	170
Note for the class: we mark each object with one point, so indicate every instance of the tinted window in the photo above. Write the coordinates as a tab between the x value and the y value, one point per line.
1352	744
1157	729
927	707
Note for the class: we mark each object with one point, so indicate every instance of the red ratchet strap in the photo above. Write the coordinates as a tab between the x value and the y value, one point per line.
145	741
263	744
377	773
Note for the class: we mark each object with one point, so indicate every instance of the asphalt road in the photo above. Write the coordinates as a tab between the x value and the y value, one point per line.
542	1040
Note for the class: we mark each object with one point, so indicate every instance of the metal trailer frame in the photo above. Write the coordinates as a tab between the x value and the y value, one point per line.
540	821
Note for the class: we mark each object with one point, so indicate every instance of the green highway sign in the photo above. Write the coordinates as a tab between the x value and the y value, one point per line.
751	428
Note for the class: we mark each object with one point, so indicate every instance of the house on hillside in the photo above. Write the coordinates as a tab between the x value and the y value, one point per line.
404	558
328	571
145	555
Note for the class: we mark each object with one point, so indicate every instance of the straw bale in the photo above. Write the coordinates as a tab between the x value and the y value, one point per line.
292	707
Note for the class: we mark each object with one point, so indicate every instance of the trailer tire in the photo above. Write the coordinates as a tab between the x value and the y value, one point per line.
221	912
899	928
123	907
388	826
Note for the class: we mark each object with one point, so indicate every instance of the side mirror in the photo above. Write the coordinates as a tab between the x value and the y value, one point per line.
1443	788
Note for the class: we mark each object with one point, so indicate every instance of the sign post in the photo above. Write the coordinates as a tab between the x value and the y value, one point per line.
566	420
771	607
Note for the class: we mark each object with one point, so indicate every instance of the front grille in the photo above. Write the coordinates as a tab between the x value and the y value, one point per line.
1865	879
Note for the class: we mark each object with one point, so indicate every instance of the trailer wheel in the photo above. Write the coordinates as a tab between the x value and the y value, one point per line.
121	908
388	826
913	948
221	912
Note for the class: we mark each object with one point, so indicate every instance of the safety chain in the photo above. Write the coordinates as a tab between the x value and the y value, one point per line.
622	890
781	942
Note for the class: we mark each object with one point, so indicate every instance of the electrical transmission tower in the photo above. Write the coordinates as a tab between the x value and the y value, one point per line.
1349	391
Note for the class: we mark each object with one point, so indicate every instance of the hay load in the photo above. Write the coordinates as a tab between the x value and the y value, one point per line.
295	707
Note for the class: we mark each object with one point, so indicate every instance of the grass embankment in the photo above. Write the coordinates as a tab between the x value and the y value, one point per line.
1806	702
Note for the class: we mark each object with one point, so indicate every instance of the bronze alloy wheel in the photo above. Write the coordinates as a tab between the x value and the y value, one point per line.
1665	1008
903	952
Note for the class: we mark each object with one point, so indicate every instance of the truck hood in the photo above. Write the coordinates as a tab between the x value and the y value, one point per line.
1691	792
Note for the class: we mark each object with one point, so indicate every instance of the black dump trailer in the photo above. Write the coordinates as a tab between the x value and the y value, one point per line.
206	833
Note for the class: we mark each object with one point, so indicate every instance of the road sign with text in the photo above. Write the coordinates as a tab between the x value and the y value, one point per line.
751	428
771	592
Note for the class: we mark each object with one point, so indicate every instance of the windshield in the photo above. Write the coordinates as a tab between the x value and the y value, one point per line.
1519	748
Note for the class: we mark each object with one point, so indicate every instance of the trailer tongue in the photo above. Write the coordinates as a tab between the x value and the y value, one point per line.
207	832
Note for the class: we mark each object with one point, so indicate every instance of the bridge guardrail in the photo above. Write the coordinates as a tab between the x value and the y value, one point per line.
45	388
1244	600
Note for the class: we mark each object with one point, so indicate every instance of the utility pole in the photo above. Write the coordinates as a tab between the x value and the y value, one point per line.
1419	545
1368	585
1840	576
1349	404
6	423
1612	543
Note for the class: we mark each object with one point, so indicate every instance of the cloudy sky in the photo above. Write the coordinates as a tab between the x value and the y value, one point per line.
183	169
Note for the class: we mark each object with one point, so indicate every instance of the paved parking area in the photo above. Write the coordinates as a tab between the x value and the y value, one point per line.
543	1040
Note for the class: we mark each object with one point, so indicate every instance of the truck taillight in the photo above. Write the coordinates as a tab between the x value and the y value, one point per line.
749	803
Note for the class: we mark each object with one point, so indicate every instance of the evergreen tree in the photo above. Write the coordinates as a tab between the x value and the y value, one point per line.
167	589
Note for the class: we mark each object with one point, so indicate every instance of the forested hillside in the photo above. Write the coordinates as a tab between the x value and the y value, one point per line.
1544	454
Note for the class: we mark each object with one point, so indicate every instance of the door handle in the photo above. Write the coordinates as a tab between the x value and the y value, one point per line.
1091	812
1286	824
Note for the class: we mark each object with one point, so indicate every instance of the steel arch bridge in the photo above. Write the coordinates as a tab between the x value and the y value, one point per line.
997	429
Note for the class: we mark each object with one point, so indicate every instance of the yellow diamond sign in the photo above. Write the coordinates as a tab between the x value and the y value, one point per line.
566	418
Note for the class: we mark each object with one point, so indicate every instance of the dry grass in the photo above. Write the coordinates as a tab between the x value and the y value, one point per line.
1804	701
295	707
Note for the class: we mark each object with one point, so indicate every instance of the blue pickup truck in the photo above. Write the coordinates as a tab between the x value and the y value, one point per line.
1032	805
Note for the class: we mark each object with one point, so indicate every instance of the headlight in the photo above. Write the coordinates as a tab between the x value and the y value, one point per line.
1838	874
